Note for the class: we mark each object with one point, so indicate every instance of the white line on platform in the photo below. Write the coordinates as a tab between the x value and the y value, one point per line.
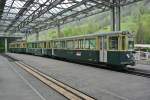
26	81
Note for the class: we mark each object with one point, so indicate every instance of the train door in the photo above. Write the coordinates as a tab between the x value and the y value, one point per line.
103	49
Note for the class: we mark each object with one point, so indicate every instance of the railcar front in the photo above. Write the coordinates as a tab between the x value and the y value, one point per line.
120	48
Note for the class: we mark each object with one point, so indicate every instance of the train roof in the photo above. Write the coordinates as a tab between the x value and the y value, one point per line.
95	34
142	45
87	35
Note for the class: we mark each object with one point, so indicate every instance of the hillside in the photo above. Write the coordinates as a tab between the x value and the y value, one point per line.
134	18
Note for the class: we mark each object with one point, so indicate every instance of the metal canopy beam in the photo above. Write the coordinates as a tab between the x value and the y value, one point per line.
20	13
2	4
41	10
39	15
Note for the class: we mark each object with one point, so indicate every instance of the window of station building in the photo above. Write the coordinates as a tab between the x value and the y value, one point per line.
113	43
92	43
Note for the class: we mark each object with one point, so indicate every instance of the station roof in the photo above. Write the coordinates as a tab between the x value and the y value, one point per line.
18	15
14	36
10	38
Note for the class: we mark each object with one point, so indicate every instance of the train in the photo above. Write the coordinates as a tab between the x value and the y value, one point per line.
114	49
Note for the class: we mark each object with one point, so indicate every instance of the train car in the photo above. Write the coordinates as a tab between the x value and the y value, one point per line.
112	48
18	47
36	48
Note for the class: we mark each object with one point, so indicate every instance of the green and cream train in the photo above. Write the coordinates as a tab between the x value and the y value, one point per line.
112	48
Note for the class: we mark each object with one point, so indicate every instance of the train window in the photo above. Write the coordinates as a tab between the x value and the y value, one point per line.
42	45
92	43
57	44
123	42
113	43
131	45
49	44
35	45
76	44
70	44
81	43
32	45
38	45
29	45
105	42
101	43
62	43
86	44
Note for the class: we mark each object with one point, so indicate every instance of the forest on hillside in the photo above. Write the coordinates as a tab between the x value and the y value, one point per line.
134	18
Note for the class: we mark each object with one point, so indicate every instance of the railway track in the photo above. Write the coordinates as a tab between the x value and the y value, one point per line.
65	90
132	71
138	72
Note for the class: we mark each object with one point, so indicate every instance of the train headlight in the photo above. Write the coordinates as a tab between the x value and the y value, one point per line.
128	56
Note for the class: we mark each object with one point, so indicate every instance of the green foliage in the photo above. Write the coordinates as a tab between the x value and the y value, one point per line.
134	18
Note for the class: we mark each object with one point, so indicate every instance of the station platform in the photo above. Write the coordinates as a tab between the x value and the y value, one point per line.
99	83
13	86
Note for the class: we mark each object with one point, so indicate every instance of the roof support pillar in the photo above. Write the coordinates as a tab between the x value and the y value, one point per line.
118	18
112	19
58	29
6	45
37	36
115	18
26	36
